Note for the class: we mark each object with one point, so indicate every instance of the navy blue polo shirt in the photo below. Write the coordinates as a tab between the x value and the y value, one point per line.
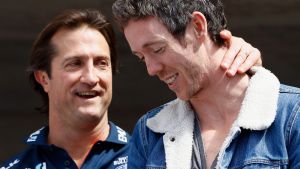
109	154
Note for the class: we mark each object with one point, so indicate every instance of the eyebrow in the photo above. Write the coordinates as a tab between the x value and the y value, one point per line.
68	58
152	42
146	45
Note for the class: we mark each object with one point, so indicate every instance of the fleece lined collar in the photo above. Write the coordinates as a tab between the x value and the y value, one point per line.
258	109
176	119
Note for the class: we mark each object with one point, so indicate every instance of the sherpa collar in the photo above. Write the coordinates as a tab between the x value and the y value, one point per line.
258	109
176	119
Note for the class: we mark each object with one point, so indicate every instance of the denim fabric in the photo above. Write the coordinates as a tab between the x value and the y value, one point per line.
278	146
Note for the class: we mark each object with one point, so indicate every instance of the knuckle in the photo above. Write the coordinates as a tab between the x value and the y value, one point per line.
241	39
257	51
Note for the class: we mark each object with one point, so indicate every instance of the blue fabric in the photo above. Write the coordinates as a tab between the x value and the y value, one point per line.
109	154
275	147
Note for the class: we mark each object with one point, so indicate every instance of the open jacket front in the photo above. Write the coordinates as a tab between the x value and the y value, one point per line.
266	133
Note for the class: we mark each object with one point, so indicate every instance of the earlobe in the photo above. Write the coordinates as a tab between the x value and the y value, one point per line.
42	78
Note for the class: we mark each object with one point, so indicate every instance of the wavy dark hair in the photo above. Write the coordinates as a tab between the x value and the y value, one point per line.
174	14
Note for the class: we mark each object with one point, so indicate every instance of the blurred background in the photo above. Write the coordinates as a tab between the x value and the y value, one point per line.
273	26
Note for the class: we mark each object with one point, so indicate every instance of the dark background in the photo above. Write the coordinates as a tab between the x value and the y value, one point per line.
273	26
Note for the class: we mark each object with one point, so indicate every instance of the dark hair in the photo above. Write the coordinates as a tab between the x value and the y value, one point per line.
174	14
43	51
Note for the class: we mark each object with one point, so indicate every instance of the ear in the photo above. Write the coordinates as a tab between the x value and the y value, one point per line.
200	24
42	78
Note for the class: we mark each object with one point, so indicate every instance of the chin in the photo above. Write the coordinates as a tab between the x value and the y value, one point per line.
90	112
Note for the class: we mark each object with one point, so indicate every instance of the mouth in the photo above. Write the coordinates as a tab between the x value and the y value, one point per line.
87	94
171	79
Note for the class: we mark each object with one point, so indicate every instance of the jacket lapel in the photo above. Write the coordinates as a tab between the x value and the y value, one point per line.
176	120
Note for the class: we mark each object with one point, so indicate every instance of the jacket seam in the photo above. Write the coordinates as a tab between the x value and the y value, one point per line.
143	134
292	121
263	161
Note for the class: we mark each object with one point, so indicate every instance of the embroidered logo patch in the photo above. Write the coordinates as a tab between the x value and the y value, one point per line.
10	165
41	166
121	135
124	166
34	135
121	160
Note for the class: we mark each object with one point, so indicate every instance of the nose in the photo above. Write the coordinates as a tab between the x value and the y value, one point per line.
89	76
153	66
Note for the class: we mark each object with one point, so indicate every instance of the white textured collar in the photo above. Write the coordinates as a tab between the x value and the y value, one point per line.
258	109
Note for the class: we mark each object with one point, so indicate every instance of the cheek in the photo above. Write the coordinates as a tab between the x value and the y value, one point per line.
106	80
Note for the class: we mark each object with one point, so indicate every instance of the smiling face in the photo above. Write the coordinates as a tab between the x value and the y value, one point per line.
80	86
179	64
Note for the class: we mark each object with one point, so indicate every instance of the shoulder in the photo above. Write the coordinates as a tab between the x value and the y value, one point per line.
288	101
289	93
151	113
21	160
288	110
141	125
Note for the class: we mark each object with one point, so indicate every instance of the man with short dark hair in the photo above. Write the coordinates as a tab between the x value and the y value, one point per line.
246	121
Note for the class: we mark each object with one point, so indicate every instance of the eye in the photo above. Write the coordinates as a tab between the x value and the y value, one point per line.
102	63
140	57
73	64
159	50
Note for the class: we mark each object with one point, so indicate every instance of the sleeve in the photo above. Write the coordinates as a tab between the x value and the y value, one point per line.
293	134
138	143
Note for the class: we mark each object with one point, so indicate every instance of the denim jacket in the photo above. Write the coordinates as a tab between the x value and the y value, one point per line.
266	133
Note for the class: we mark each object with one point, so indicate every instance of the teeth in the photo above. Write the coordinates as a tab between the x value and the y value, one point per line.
87	93
171	79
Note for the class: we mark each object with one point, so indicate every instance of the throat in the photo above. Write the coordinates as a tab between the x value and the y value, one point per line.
208	143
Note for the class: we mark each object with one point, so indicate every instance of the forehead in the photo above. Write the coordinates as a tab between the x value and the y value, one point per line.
83	40
142	31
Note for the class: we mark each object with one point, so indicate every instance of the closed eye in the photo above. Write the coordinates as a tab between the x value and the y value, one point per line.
140	56
159	50
141	59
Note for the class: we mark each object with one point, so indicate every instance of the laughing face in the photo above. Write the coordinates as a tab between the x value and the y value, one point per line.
177	63
80	85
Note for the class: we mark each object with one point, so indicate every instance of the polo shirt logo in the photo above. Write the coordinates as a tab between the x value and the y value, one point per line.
41	166
122	162
122	166
11	164
121	135
34	135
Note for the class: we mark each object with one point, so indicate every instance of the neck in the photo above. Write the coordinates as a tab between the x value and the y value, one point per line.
218	103
77	140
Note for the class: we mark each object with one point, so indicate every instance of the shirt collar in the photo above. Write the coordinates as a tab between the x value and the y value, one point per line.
39	137
116	135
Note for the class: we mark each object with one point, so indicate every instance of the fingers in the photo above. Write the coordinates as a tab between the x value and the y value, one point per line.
240	56
254	58
234	48
240	59
226	35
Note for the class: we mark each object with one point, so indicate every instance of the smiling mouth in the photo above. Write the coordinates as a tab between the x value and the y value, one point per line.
88	94
170	80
